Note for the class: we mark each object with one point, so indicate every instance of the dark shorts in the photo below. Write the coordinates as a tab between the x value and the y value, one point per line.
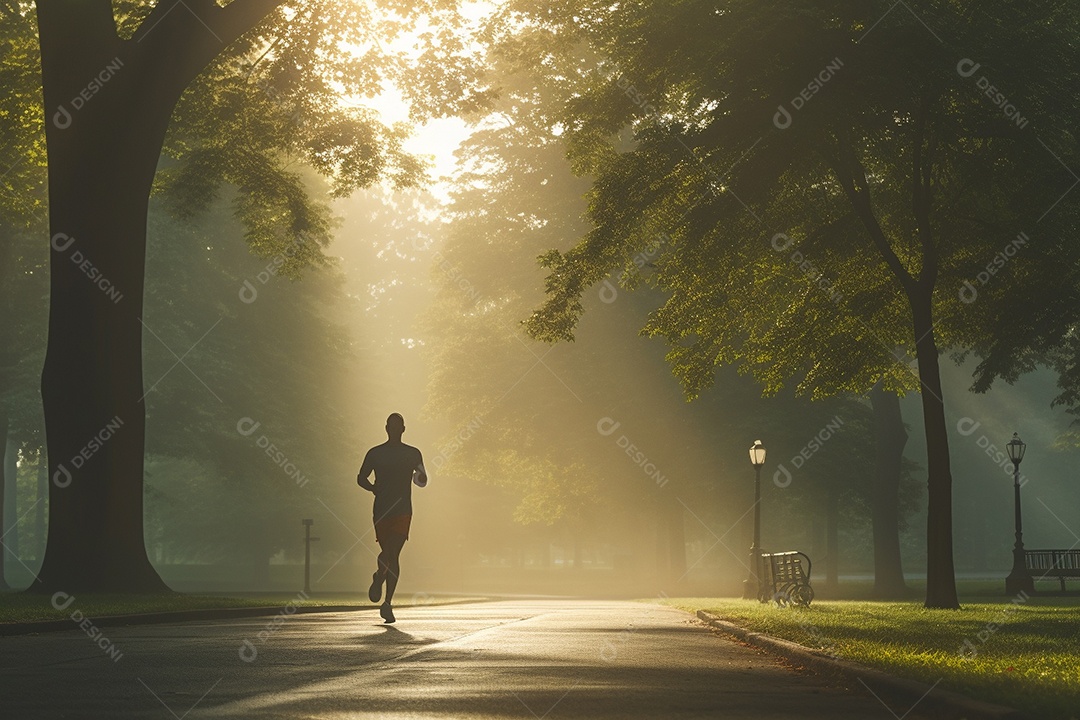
393	527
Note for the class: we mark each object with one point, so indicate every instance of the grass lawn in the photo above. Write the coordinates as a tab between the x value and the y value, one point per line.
20	607
1024	654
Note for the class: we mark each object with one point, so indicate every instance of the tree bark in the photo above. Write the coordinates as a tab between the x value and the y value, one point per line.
891	437
39	508
4	425
11	496
107	106
940	572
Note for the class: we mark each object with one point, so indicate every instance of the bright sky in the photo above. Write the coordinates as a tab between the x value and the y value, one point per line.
438	139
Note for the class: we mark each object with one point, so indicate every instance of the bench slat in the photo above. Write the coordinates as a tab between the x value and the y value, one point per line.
784	569
1054	563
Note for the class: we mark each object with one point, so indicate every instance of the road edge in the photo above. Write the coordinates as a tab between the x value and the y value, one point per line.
927	697
174	616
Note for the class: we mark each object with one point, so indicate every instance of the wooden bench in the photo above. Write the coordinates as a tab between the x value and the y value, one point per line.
1053	563
785	579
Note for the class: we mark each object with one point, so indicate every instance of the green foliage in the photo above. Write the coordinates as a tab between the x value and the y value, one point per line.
896	171
22	153
293	90
535	409
290	92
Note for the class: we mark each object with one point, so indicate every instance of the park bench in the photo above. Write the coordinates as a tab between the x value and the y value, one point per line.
1053	563
787	579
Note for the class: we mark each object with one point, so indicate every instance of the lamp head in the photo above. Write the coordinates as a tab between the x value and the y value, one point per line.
757	454
1016	448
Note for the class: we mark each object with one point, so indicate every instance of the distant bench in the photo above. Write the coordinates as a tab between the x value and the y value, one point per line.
789	581
1053	563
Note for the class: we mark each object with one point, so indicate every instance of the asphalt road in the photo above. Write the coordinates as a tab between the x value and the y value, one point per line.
514	659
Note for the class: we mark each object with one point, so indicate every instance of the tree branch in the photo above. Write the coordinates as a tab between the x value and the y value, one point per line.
74	20
183	36
75	36
921	198
239	16
852	177
9	9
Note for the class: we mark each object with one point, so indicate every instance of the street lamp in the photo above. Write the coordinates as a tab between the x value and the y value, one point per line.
1019	580
752	586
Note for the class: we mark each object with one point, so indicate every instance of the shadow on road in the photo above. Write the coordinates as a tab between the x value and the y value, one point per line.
391	636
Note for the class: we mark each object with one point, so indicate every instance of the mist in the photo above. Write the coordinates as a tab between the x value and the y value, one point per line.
615	464
575	468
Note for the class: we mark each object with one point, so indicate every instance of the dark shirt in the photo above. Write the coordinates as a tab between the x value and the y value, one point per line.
393	464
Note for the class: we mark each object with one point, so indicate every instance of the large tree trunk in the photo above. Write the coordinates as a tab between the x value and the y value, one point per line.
891	437
107	104
39	507
940	573
101	166
92	382
7	367
4	424
11	497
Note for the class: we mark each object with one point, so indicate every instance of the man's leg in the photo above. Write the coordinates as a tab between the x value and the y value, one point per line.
392	554
384	558
377	580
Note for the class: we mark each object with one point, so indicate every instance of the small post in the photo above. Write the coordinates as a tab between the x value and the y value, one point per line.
307	553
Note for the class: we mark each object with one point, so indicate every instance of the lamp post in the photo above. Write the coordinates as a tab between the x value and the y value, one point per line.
1019	580
752	585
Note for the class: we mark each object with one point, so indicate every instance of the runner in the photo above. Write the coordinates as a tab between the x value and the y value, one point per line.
397	466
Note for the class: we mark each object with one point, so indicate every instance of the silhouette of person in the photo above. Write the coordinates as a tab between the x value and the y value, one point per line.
397	466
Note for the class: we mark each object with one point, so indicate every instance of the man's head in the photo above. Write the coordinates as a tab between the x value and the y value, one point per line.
395	426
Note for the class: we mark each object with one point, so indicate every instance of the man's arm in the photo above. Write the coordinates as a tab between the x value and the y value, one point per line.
362	476
421	472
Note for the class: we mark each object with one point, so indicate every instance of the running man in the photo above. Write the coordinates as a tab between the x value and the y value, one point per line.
397	466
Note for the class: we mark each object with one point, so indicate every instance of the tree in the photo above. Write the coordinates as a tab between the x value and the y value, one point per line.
890	437
888	172
514	197
111	82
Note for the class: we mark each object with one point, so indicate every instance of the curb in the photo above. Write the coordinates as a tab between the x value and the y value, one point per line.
943	704
175	616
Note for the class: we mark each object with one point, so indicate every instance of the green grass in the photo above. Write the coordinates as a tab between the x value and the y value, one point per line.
1030	660
20	607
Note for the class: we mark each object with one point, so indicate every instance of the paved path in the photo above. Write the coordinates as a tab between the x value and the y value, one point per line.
516	659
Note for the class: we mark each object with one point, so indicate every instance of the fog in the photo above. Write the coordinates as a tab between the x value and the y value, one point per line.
557	469
576	468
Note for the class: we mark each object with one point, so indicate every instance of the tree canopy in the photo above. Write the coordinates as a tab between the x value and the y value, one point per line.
825	207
